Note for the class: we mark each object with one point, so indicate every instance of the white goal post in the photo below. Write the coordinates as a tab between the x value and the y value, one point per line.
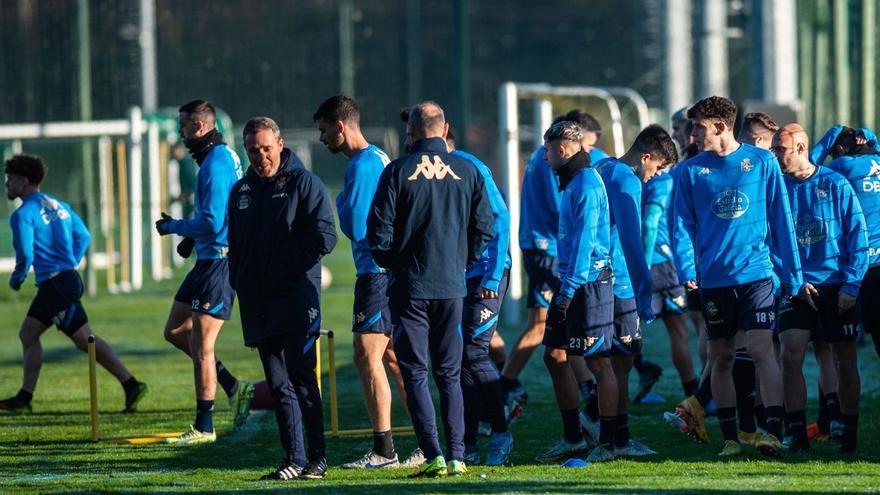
509	96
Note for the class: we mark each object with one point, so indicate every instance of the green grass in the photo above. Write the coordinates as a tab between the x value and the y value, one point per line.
49	451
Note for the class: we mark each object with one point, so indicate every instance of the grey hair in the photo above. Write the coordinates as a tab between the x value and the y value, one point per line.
427	117
565	130
257	124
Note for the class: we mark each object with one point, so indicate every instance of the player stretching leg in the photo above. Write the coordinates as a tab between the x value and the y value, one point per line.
204	300
48	234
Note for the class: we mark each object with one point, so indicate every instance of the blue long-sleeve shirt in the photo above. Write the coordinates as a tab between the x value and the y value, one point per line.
584	232
727	206
863	173
496	257
220	170
831	232
48	235
655	219
539	203
353	203
680	242
628	261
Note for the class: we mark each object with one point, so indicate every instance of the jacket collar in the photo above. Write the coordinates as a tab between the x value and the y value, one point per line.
430	144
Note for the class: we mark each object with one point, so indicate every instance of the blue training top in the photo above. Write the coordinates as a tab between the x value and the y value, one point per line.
539	204
631	271
584	232
496	257
681	243
353	204
863	173
656	194
831	231
47	234
220	170
730	206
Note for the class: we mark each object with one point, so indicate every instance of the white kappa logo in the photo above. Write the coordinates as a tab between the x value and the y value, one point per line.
313	313
433	170
485	314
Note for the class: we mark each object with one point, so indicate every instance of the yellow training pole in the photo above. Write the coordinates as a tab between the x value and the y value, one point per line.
334	406
124	239
93	388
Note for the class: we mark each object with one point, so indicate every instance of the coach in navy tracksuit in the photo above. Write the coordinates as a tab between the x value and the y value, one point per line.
280	225
430	218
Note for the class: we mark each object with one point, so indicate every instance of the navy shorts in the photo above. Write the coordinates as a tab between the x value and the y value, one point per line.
741	307
827	324
479	317
693	300
206	289
589	321
668	297
371	313
543	277
627	336
58	303
870	300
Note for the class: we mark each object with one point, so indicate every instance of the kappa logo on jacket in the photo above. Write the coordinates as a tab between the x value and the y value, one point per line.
433	170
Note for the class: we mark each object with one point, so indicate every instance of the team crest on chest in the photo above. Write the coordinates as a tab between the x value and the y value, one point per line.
244	201
822	191
746	165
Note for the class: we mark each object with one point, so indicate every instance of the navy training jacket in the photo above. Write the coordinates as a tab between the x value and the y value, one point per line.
430	218
279	229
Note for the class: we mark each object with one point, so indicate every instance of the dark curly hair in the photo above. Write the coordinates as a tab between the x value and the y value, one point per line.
30	167
657	142
714	108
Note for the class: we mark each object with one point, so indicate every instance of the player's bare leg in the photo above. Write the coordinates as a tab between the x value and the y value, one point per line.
178	328
369	348
679	348
390	359
32	352
525	346
497	352
104	354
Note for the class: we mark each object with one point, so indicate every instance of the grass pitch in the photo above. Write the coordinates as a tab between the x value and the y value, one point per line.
49	451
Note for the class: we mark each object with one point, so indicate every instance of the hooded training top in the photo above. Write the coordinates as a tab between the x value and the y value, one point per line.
430	219
584	232
539	204
830	228
631	271
863	173
279	229
353	203
496	257
656	194
47	234
729	206
217	174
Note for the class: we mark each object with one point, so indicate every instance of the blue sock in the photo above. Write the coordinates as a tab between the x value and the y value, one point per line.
204	416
